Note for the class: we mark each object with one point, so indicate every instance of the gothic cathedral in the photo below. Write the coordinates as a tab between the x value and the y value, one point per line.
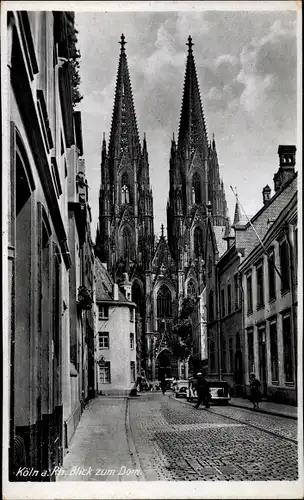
163	274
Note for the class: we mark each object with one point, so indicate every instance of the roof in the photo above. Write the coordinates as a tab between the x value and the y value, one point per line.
219	233
104	285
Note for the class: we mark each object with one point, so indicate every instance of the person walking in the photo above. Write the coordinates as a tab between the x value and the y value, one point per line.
202	390
163	386
255	391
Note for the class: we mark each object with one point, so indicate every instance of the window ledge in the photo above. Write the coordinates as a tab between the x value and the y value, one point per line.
275	382
289	384
259	307
285	291
272	300
249	313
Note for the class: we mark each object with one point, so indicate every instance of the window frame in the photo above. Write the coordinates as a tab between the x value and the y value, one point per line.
229	298
284	266
132	341
107	368
100	315
271	275
249	294
259	270
104	335
272	335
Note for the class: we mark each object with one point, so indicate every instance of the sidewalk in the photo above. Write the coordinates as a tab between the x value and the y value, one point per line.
268	407
101	449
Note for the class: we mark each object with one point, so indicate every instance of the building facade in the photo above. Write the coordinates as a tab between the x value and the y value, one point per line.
115	334
269	282
42	152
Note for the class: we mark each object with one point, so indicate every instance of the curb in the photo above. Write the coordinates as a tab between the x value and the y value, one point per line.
131	445
268	412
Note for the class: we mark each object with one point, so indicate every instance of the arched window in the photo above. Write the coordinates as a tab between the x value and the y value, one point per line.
126	242
191	291
125	192
196	188
198	242
164	302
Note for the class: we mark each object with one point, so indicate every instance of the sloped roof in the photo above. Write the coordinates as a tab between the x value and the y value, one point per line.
219	233
104	284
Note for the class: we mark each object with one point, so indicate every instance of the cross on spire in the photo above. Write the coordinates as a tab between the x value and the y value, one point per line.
122	41
190	43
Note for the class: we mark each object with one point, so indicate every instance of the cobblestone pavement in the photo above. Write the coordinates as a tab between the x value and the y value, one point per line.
174	441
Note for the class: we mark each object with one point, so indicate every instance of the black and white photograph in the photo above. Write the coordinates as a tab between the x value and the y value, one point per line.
152	249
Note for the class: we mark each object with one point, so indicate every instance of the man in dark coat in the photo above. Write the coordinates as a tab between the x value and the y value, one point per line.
202	389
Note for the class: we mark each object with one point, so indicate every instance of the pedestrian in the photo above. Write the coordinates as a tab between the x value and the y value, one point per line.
202	389
255	391
163	386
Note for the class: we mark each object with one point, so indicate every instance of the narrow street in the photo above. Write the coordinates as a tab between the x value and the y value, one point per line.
155	437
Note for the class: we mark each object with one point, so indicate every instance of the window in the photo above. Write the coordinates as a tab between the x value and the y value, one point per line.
132	340
250	351
236	292
274	351
224	356
132	370
284	265
131	315
105	373
260	285
104	340
198	242
164	302
296	252
222	302
125	195
287	346
211	306
212	355
210	266
103	312
126	242
271	276
191	289
249	294
229	299
196	188
231	355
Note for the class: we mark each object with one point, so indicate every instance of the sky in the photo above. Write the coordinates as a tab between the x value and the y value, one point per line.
247	70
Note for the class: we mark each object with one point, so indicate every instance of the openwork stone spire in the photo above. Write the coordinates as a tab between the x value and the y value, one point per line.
192	128
124	135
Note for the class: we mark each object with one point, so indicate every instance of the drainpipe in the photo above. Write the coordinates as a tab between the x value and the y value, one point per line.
242	302
218	322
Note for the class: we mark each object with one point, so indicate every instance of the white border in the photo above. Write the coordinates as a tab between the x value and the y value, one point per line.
195	489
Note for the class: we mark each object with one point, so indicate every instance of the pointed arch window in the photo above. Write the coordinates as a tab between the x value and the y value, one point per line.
196	188
198	242
125	191
126	242
191	290
164	302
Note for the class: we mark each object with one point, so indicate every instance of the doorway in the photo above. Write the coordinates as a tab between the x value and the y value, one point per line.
262	360
163	366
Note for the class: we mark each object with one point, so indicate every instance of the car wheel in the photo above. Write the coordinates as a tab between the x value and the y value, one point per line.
176	395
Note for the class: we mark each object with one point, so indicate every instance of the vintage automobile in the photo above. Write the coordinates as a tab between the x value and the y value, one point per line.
219	391
169	384
180	388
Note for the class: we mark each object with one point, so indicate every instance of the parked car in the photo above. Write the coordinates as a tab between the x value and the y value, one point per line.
180	388
219	391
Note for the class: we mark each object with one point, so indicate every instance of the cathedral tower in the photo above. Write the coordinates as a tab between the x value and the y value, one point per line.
125	234
196	189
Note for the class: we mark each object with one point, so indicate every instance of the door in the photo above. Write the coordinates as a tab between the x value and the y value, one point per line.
263	361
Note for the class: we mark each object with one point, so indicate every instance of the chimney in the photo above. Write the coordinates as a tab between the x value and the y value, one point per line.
266	194
115	291
287	156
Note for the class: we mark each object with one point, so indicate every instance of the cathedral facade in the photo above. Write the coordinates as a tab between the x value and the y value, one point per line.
162	274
